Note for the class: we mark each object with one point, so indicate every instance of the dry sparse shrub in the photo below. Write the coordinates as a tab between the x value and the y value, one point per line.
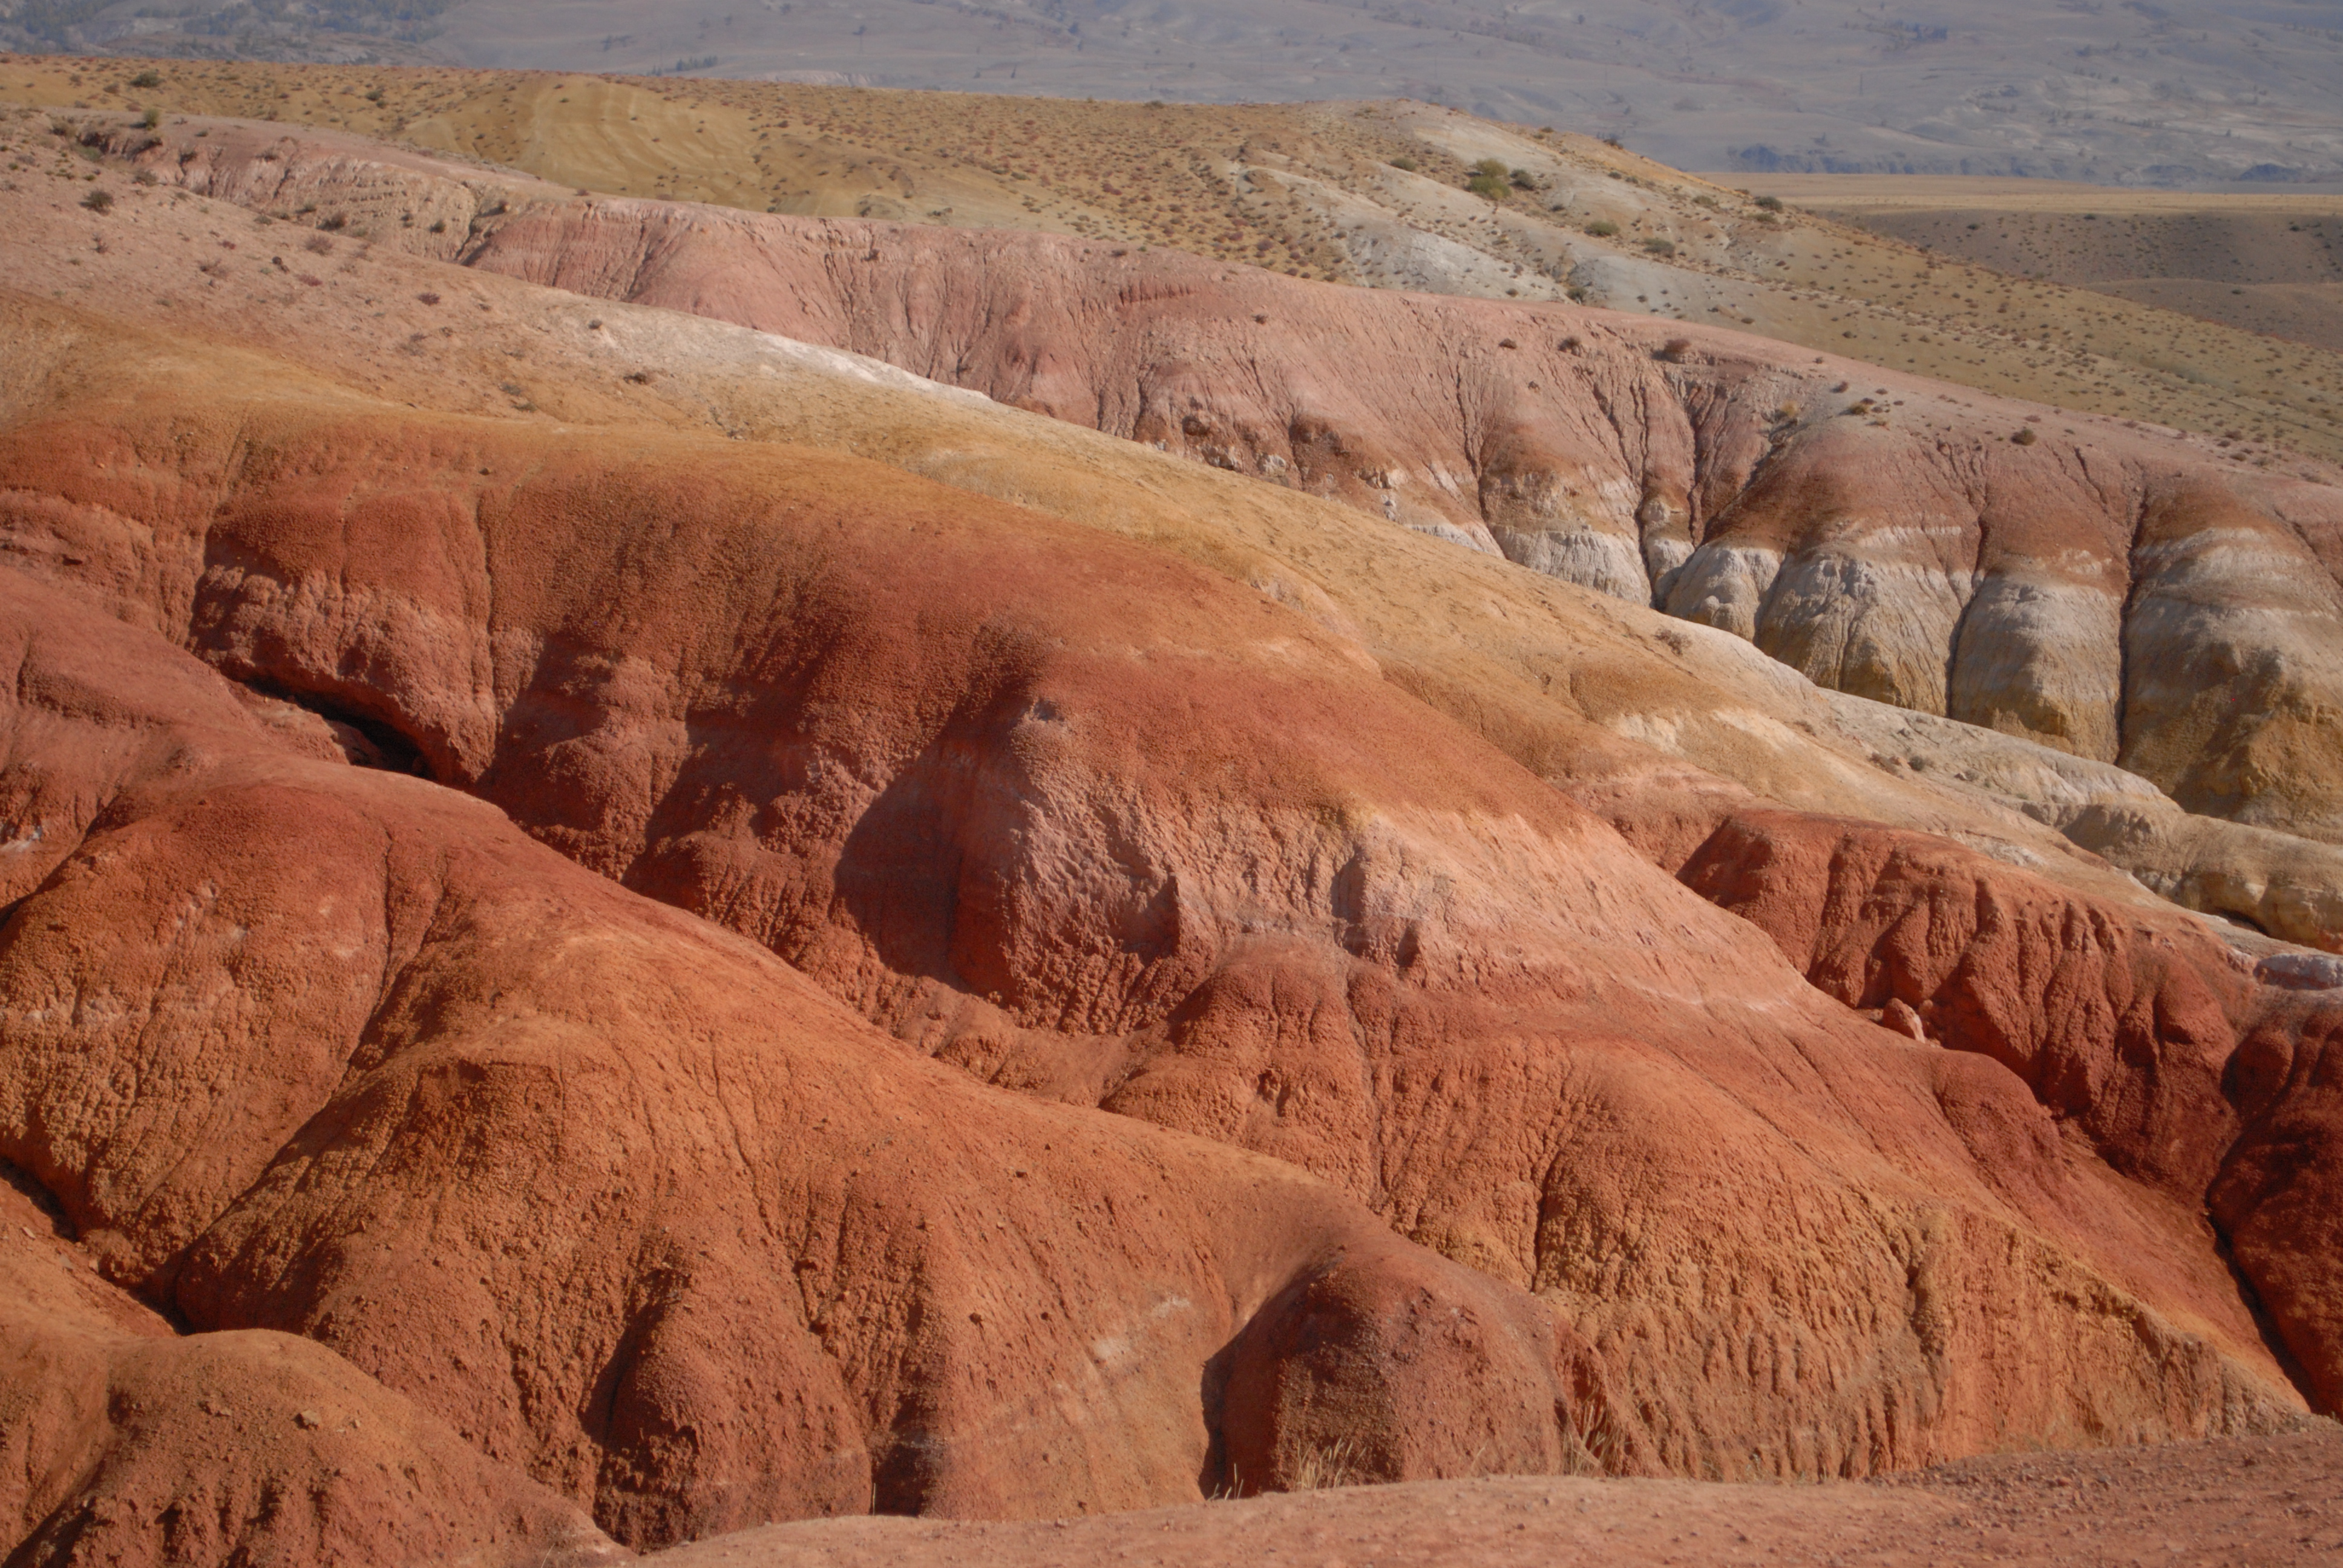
1602	228
1336	1465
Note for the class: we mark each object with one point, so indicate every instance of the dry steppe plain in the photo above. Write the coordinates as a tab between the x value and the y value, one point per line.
2184	94
2266	262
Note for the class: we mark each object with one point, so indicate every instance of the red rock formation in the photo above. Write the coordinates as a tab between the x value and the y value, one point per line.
1100	821
1405	604
2277	1195
2111	591
980	802
2143	1036
622	1199
121	1441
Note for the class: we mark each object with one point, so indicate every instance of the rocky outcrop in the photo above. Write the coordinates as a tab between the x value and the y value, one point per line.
2275	883
126	1443
625	1202
1277	1064
977	802
1886	536
2108	591
2179	1063
2277	1195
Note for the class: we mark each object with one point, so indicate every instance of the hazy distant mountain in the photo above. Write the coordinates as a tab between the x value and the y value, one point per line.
2129	92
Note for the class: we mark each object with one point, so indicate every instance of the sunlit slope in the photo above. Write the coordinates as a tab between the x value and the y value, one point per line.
1369	194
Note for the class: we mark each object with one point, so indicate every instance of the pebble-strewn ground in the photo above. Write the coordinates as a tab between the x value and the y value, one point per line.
2239	1503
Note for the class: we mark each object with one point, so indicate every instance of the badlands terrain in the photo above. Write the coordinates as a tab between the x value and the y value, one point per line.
671	871
1368	194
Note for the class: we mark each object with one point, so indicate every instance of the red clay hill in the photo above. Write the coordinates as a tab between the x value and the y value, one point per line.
611	918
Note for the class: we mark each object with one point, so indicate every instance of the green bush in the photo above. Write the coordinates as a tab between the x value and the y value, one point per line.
1769	204
147	79
1404	164
1488	187
1602	228
1660	247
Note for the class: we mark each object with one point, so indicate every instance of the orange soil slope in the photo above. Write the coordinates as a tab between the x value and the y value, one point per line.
1076	814
622	1200
125	1442
2108	590
2121	593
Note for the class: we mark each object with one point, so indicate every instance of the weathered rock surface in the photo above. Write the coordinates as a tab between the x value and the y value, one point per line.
2286	885
121	1441
2277	883
1166	794
2145	1035
622	1199
1336	930
2114	592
